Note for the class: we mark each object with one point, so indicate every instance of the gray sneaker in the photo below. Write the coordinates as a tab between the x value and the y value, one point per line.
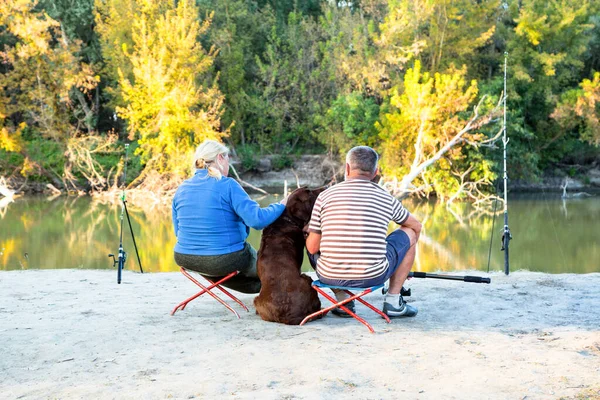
399	311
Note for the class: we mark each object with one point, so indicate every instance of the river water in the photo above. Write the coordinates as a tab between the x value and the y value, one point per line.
549	235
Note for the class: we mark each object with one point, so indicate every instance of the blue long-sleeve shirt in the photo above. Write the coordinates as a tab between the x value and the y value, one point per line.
212	217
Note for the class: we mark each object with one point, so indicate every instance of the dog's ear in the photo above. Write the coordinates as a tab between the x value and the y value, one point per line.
318	190
296	202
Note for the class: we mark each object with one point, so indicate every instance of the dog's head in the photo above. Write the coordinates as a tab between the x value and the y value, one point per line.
301	202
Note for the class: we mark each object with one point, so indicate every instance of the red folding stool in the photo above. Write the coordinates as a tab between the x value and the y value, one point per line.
207	289
319	286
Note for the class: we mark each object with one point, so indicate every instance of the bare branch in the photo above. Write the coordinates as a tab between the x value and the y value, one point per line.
244	183
297	179
473	123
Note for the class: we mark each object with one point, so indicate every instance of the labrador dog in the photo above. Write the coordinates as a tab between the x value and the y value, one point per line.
286	295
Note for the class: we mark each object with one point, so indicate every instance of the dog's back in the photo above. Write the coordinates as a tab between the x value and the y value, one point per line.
286	295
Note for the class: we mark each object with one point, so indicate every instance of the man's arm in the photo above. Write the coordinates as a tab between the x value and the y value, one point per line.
313	242
414	224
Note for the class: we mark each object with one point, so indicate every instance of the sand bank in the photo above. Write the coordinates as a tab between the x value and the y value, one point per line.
77	334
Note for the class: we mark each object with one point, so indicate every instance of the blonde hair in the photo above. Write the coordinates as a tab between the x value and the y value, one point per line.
206	157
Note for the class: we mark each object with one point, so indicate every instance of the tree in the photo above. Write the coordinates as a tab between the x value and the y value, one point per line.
170	100
41	81
349	121
547	46
240	32
426	134
580	110
293	86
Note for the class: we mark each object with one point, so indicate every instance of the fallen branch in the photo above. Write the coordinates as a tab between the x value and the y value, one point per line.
418	167
244	183
5	190
297	179
53	189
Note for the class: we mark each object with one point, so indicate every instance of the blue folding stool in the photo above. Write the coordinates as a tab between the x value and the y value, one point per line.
319	286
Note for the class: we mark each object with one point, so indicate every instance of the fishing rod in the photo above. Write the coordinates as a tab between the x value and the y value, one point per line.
506	236
122	257
466	278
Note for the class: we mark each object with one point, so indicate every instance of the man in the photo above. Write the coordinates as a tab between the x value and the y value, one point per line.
348	227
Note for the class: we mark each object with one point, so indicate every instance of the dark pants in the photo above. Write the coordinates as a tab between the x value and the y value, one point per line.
216	267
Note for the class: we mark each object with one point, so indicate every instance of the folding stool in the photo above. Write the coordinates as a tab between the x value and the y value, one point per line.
207	289
319	286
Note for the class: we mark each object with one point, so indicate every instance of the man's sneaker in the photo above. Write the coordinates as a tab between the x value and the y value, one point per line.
399	311
341	313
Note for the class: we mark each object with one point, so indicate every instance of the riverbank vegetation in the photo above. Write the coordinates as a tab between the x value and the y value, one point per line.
420	81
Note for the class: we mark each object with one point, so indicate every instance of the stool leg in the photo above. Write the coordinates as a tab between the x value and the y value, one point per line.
184	303
232	297
213	284
378	311
341	305
206	290
320	312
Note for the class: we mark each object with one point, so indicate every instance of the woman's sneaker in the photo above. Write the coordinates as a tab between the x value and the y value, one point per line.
400	310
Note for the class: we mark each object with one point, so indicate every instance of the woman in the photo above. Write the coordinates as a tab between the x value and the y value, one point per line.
212	216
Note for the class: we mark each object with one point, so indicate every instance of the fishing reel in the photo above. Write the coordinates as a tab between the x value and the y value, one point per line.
120	261
506	237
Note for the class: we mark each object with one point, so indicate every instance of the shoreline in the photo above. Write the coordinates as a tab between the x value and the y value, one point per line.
77	334
39	189
314	170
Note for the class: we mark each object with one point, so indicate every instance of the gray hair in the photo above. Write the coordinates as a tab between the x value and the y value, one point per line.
363	159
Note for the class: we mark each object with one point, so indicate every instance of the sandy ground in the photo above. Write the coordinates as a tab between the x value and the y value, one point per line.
77	334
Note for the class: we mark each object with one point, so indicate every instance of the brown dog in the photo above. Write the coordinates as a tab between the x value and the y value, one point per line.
286	295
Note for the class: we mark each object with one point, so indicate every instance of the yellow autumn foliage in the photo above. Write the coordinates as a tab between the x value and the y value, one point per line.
168	97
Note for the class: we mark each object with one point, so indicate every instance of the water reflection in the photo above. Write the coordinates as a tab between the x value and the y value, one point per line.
550	235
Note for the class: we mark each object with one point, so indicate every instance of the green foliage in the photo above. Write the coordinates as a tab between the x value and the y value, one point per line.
44	86
426	113
8	160
292	86
240	32
248	157
349	121
46	153
289	77
77	20
579	109
547	49
438	33
282	161
170	102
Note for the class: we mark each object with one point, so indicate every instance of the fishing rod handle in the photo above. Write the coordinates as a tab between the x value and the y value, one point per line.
477	279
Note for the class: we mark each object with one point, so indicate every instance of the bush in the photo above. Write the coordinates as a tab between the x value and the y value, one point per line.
49	155
9	161
281	161
248	159
111	160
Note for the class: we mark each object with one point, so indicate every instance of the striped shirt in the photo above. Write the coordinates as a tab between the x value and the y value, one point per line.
352	218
